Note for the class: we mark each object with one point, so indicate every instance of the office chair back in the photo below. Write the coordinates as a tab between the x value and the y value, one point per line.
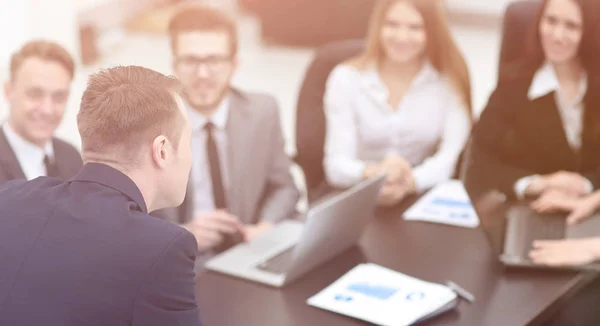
517	27
310	116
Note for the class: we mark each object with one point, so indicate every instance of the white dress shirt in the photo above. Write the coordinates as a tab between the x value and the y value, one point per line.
545	82
202	183
29	155
429	128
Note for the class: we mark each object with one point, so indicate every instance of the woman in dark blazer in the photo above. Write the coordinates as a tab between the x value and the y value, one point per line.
540	132
539	135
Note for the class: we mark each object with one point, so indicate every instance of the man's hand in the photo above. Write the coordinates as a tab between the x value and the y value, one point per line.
567	182
572	252
210	229
253	231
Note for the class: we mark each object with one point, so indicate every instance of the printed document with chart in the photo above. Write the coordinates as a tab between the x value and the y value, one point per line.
384	297
447	203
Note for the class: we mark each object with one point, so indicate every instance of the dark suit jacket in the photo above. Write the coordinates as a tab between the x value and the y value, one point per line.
261	185
516	137
86	252
68	160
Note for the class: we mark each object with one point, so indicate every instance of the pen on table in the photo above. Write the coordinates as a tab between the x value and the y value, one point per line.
461	292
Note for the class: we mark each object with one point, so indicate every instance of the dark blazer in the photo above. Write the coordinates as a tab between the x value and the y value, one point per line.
68	160
516	137
261	185
86	252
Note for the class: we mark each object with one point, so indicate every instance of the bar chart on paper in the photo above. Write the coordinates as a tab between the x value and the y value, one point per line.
375	291
382	296
447	203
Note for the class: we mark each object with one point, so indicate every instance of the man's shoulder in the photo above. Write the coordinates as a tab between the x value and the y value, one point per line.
36	196
155	228
256	102
68	155
161	241
12	184
10	189
65	147
13	187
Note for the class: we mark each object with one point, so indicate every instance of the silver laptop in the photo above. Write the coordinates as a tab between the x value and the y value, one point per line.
292	248
524	226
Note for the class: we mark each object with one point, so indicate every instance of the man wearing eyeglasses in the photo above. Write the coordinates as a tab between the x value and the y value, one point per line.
37	92
240	181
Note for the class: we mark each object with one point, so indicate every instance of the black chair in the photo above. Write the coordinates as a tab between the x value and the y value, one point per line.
518	21
310	116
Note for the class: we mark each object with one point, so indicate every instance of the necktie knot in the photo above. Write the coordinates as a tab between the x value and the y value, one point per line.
51	168
209	126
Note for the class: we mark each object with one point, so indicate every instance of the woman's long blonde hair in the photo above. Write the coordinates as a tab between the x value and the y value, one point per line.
442	51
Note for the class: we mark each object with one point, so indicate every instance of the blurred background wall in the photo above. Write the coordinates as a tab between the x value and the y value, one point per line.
278	38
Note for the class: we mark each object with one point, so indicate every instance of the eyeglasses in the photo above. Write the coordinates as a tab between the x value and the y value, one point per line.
190	64
38	94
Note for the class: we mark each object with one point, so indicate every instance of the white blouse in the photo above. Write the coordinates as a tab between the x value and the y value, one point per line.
429	128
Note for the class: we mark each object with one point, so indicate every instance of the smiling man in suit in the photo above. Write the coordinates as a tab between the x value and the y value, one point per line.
240	180
37	92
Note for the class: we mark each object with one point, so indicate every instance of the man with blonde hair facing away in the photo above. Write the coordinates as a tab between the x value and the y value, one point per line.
86	251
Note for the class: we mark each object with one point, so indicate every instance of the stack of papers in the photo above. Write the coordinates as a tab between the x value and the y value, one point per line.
384	297
447	203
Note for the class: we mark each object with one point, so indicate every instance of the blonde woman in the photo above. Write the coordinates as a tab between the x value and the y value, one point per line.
402	107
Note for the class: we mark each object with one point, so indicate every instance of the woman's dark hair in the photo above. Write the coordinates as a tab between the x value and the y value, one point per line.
589	48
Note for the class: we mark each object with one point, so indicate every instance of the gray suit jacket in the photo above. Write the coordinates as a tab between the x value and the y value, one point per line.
261	185
68	160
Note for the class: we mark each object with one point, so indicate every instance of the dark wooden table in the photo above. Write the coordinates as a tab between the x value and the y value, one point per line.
432	252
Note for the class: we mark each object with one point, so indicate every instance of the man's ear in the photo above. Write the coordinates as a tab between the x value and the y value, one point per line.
160	151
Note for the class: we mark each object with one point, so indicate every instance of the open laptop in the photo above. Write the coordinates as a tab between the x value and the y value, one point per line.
524	226
292	248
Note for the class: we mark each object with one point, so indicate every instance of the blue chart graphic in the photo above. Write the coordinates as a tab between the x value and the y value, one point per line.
375	291
450	202
458	209
378	292
414	296
341	297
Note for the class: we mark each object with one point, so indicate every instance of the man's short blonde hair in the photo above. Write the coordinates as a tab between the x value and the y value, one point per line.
194	18
45	50
124	108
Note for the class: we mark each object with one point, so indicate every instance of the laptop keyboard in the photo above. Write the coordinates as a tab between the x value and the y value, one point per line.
279	263
543	227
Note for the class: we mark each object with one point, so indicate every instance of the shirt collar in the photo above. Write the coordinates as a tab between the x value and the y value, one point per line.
112	178
219	117
24	148
545	82
427	74
372	79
